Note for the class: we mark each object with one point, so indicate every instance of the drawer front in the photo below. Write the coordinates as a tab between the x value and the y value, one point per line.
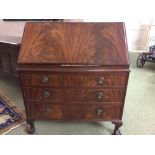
74	80
72	111
44	111
72	95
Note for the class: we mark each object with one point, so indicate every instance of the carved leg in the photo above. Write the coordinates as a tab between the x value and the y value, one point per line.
118	124
31	128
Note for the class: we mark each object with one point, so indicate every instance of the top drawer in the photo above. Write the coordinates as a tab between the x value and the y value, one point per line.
102	79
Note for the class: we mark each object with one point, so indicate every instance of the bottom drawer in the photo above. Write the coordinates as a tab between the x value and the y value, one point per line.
73	112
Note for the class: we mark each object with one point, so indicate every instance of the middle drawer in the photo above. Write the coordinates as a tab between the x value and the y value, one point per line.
72	95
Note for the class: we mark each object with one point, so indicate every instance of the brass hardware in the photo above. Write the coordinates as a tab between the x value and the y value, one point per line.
76	65
99	95
44	79
99	112
101	80
46	94
47	110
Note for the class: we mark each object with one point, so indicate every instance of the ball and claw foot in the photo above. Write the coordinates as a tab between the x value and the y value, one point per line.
31	128
117	132
117	126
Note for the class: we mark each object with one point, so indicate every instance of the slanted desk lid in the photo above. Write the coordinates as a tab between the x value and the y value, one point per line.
74	43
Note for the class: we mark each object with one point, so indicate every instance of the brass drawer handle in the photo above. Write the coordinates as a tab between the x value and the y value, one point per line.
99	95
44	79
101	80
99	112
47	110
46	94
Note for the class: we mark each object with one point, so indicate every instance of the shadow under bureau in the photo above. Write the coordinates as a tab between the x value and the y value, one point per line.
74	71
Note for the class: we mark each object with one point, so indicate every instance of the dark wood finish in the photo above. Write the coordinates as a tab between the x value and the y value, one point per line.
39	20
72	94
31	128
73	112
74	71
60	79
9	49
74	43
118	124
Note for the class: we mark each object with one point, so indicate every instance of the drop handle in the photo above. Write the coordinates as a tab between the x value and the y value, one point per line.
46	94
44	79
101	80
99	112
99	95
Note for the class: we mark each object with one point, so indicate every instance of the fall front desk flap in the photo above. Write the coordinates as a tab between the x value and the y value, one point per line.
74	43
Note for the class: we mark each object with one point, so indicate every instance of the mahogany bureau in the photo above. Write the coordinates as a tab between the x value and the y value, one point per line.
74	71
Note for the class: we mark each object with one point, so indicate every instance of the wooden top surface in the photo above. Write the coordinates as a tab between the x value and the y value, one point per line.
74	43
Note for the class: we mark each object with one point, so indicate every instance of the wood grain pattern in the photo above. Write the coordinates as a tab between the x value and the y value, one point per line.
72	112
74	43
72	95
74	80
72	57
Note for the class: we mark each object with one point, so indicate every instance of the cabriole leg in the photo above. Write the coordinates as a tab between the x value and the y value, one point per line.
118	124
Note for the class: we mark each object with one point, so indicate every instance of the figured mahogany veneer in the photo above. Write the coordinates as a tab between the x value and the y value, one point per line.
72	95
61	79
74	43
74	71
73	111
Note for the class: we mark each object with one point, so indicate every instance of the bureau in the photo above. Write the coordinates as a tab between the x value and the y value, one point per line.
74	71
